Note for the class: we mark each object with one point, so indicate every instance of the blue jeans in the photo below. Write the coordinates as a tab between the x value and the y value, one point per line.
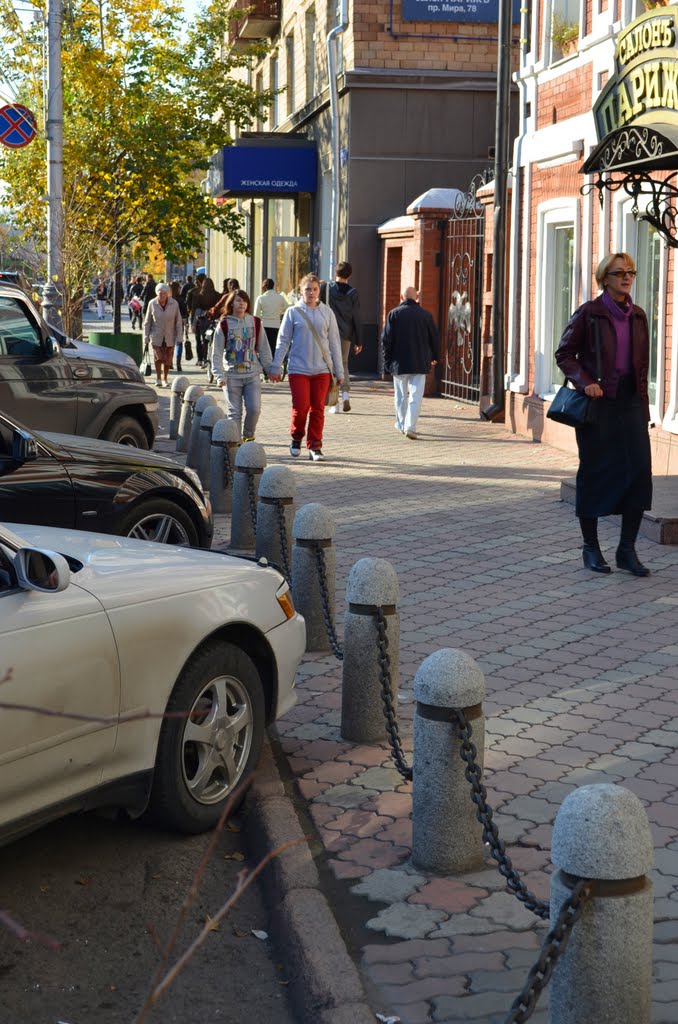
409	392
244	387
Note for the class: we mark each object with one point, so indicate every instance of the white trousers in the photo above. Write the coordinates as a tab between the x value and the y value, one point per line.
409	392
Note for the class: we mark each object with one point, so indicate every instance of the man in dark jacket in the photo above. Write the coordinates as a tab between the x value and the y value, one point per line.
410	342
344	301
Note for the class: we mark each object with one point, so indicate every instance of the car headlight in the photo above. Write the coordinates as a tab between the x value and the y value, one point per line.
284	599
195	479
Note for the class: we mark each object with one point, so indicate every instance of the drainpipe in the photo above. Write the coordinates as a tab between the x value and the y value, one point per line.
495	410
334	114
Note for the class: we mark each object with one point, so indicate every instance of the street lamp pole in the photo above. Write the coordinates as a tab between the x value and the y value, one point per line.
52	300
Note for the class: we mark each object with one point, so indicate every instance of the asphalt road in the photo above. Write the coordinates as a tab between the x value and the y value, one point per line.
104	889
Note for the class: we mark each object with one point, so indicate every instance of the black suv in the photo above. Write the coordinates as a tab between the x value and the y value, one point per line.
81	390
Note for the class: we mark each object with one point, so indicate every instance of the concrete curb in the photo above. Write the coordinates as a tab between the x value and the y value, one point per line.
324	984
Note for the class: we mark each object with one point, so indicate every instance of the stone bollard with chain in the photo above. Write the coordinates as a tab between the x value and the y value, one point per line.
275	512
250	463
191	396
179	385
225	443
314	575
209	419
602	834
203	403
370	668
446	835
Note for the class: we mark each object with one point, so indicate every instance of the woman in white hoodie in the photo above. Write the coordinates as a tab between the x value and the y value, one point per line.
310	334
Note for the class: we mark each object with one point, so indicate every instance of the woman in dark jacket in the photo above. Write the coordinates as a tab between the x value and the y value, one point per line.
615	472
203	300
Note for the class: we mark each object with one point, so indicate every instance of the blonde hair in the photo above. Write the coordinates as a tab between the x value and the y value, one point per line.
309	279
603	267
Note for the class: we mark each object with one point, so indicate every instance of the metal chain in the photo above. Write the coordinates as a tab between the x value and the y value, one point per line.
228	471
552	949
284	550
484	814
325	602
390	713
252	501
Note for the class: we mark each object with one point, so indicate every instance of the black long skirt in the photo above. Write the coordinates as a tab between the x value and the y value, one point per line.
615	467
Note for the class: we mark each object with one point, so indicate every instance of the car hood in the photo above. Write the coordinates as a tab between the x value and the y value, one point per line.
91	447
97	353
121	572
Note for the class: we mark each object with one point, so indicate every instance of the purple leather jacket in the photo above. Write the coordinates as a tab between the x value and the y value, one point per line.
576	354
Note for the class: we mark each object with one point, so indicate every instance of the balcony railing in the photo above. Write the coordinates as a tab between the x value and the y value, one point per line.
261	20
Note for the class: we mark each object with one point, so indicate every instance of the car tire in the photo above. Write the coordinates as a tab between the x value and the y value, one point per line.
159	520
125	430
203	757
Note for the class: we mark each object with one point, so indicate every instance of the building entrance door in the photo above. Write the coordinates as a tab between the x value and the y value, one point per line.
290	260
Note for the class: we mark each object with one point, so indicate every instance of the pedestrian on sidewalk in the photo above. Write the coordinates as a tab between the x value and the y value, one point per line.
615	468
344	301
134	302
410	342
204	298
310	334
162	330
101	296
270	306
175	291
148	294
240	351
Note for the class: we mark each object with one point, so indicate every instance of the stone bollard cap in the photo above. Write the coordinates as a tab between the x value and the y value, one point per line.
193	393
372	581
204	402
226	431
449	679
313	522
210	416
277	482
602	831
251	455
180	384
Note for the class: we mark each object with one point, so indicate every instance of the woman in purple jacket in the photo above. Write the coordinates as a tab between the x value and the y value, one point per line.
615	472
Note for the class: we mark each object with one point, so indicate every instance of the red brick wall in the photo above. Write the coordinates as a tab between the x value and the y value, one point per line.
564	97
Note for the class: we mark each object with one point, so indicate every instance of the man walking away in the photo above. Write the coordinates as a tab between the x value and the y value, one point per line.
410	342
269	307
344	301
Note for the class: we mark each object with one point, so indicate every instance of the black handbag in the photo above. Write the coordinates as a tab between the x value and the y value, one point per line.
146	365
574	408
188	351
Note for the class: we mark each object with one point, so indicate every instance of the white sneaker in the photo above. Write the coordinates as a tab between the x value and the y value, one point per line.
158	383
316	455
335	408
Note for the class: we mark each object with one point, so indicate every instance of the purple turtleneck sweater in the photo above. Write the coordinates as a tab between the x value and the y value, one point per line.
621	318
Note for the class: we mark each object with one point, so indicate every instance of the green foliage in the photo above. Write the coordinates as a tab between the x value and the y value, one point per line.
563	32
147	101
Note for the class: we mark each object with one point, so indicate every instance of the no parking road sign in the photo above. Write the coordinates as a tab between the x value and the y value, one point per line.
17	126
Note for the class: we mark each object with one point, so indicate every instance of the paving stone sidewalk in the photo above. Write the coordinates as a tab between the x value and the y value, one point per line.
582	687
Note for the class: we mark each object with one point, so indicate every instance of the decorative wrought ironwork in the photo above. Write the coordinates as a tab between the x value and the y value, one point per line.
654	199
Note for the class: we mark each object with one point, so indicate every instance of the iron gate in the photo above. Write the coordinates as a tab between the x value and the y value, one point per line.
462	296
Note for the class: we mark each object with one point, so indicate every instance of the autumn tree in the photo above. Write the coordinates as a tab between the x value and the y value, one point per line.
148	100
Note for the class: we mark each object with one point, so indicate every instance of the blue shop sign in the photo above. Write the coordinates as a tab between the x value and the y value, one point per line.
455	10
261	169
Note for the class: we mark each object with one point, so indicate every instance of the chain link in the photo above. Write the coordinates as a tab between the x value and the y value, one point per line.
252	501
228	470
325	602
553	948
484	814
390	713
284	550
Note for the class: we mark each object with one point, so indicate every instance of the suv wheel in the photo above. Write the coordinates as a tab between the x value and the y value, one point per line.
162	521
125	430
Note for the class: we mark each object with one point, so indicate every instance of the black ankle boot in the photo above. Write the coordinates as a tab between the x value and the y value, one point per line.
593	559
628	559
178	367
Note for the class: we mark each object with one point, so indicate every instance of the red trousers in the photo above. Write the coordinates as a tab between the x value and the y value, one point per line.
309	393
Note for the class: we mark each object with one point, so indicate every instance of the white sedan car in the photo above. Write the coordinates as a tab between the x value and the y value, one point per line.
135	675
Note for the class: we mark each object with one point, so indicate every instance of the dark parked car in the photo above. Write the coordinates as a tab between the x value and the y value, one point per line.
16	277
64	481
80	390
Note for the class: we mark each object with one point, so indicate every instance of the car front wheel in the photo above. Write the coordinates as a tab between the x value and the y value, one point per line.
205	754
162	521
125	430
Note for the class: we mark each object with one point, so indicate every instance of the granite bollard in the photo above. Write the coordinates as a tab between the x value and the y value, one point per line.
191	395
225	442
210	417
372	583
313	525
250	463
446	835
179	385
201	404
602	833
275	512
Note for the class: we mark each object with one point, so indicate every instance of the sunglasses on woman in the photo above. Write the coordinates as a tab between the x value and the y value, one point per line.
621	273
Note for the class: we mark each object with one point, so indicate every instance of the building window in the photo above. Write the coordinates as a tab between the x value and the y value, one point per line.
275	108
564	25
289	57
561	244
310	54
557	291
646	294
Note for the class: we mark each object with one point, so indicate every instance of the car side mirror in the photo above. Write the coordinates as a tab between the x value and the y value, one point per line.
24	447
41	570
53	347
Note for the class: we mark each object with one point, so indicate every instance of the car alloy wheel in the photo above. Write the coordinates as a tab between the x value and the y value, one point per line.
161	521
204	754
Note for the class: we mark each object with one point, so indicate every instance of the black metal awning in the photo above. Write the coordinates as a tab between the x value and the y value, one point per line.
639	148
